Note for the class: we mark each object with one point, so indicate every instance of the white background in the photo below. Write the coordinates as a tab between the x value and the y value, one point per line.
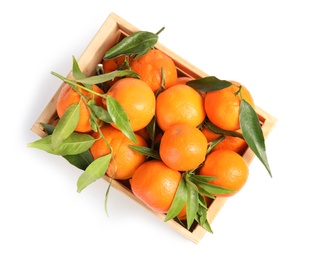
265	45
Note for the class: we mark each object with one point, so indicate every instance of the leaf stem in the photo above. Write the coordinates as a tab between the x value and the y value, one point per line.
163	28
75	84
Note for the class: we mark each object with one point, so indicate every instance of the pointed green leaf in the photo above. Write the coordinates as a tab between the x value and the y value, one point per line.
137	43
101	113
204	188
214	189
66	125
202	202
201	179
108	76
179	200
151	130
146	151
218	130
77	73
81	160
120	117
205	224
191	203
76	143
93	120
206	193
252	132
214	143
94	171
202	215
48	128
209	83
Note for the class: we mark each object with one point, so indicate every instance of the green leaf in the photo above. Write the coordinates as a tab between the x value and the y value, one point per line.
214	143
191	203
93	120
201	179
137	43
151	130
48	128
218	130
94	171
120	117
81	160
108	76
214	189
101	113
146	151
206	193
209	83
252	132
66	125
179	200
205	224
202	214
76	143
77	73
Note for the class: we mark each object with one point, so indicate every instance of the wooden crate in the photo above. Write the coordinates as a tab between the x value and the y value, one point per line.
113	29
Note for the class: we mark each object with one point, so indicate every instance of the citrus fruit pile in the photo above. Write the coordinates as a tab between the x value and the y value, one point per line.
176	141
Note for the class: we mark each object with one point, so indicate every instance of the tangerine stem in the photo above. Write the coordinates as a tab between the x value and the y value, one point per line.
239	92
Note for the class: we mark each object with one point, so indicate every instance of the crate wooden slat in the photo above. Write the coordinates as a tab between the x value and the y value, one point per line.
113	28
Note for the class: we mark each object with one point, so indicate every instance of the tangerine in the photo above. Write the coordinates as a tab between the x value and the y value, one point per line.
125	160
150	67
155	184
222	106
229	168
179	104
183	147
136	98
69	96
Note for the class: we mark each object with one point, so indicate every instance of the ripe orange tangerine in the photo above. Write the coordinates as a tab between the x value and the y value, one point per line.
155	184
222	106
229	168
137	99
150	65
183	147
179	104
